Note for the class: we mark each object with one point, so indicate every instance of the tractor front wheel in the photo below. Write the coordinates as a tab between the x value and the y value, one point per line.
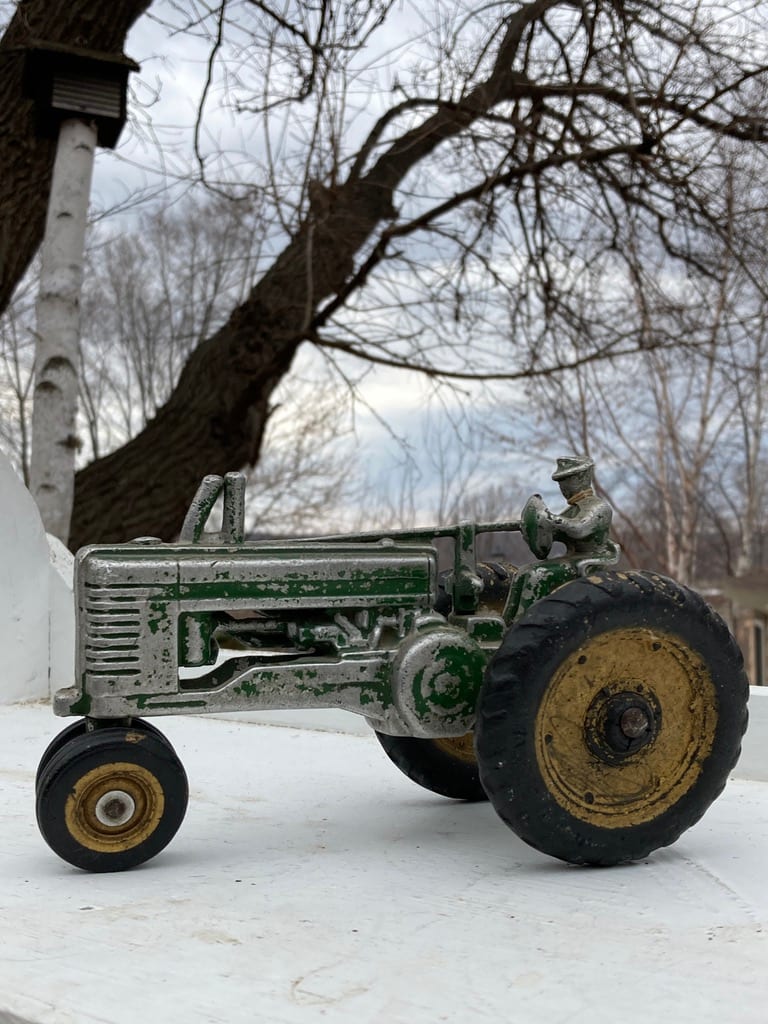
112	798
79	728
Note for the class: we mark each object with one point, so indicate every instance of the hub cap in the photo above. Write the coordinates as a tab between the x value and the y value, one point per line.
114	807
624	727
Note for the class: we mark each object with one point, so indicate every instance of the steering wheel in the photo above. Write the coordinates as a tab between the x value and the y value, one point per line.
537	528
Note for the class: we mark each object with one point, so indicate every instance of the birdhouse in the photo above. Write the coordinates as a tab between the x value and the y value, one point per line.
71	82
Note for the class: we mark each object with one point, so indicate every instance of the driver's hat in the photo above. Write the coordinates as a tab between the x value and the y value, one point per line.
572	465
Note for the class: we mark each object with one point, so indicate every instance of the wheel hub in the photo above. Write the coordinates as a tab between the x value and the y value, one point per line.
115	808
634	722
618	724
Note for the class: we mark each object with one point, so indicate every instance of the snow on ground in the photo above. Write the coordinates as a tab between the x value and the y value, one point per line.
313	882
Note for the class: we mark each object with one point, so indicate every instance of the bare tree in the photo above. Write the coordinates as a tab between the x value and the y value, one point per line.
307	474
515	148
679	430
653	425
153	293
736	503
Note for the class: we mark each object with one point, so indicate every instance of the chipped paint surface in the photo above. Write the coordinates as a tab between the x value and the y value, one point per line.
436	681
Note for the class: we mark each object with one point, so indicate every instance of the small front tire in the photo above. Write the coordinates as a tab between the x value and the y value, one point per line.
111	799
79	728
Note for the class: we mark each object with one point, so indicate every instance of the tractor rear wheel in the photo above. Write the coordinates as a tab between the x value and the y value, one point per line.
610	717
446	766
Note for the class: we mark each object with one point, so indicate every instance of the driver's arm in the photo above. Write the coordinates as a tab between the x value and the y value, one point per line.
582	527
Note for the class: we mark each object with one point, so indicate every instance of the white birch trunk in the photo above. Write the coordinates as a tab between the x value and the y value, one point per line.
54	436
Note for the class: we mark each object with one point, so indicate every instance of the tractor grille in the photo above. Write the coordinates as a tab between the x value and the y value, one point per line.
113	629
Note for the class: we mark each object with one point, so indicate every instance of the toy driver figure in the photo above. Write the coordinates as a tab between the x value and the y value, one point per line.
584	526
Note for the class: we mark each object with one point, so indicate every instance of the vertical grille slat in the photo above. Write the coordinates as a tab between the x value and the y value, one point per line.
113	631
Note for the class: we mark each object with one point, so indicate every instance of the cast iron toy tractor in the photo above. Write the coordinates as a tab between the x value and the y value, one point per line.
599	710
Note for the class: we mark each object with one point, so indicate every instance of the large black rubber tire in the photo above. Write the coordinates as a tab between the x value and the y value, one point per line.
445	766
552	758
79	728
91	777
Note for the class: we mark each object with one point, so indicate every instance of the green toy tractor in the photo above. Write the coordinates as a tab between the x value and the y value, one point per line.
600	711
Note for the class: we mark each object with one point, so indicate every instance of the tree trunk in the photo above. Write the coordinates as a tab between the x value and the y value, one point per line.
26	160
54	415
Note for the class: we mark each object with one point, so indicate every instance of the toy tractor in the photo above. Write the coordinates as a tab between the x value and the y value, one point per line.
599	710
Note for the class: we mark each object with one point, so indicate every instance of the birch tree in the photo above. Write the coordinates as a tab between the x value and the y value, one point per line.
16	376
54	413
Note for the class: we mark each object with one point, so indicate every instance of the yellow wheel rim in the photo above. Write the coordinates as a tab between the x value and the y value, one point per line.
460	747
666	684
114	807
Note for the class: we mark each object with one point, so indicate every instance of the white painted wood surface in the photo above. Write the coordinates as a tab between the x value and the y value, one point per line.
54	413
313	882
753	763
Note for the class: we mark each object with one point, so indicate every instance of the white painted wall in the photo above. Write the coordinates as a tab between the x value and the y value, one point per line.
753	763
61	606
24	590
36	606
